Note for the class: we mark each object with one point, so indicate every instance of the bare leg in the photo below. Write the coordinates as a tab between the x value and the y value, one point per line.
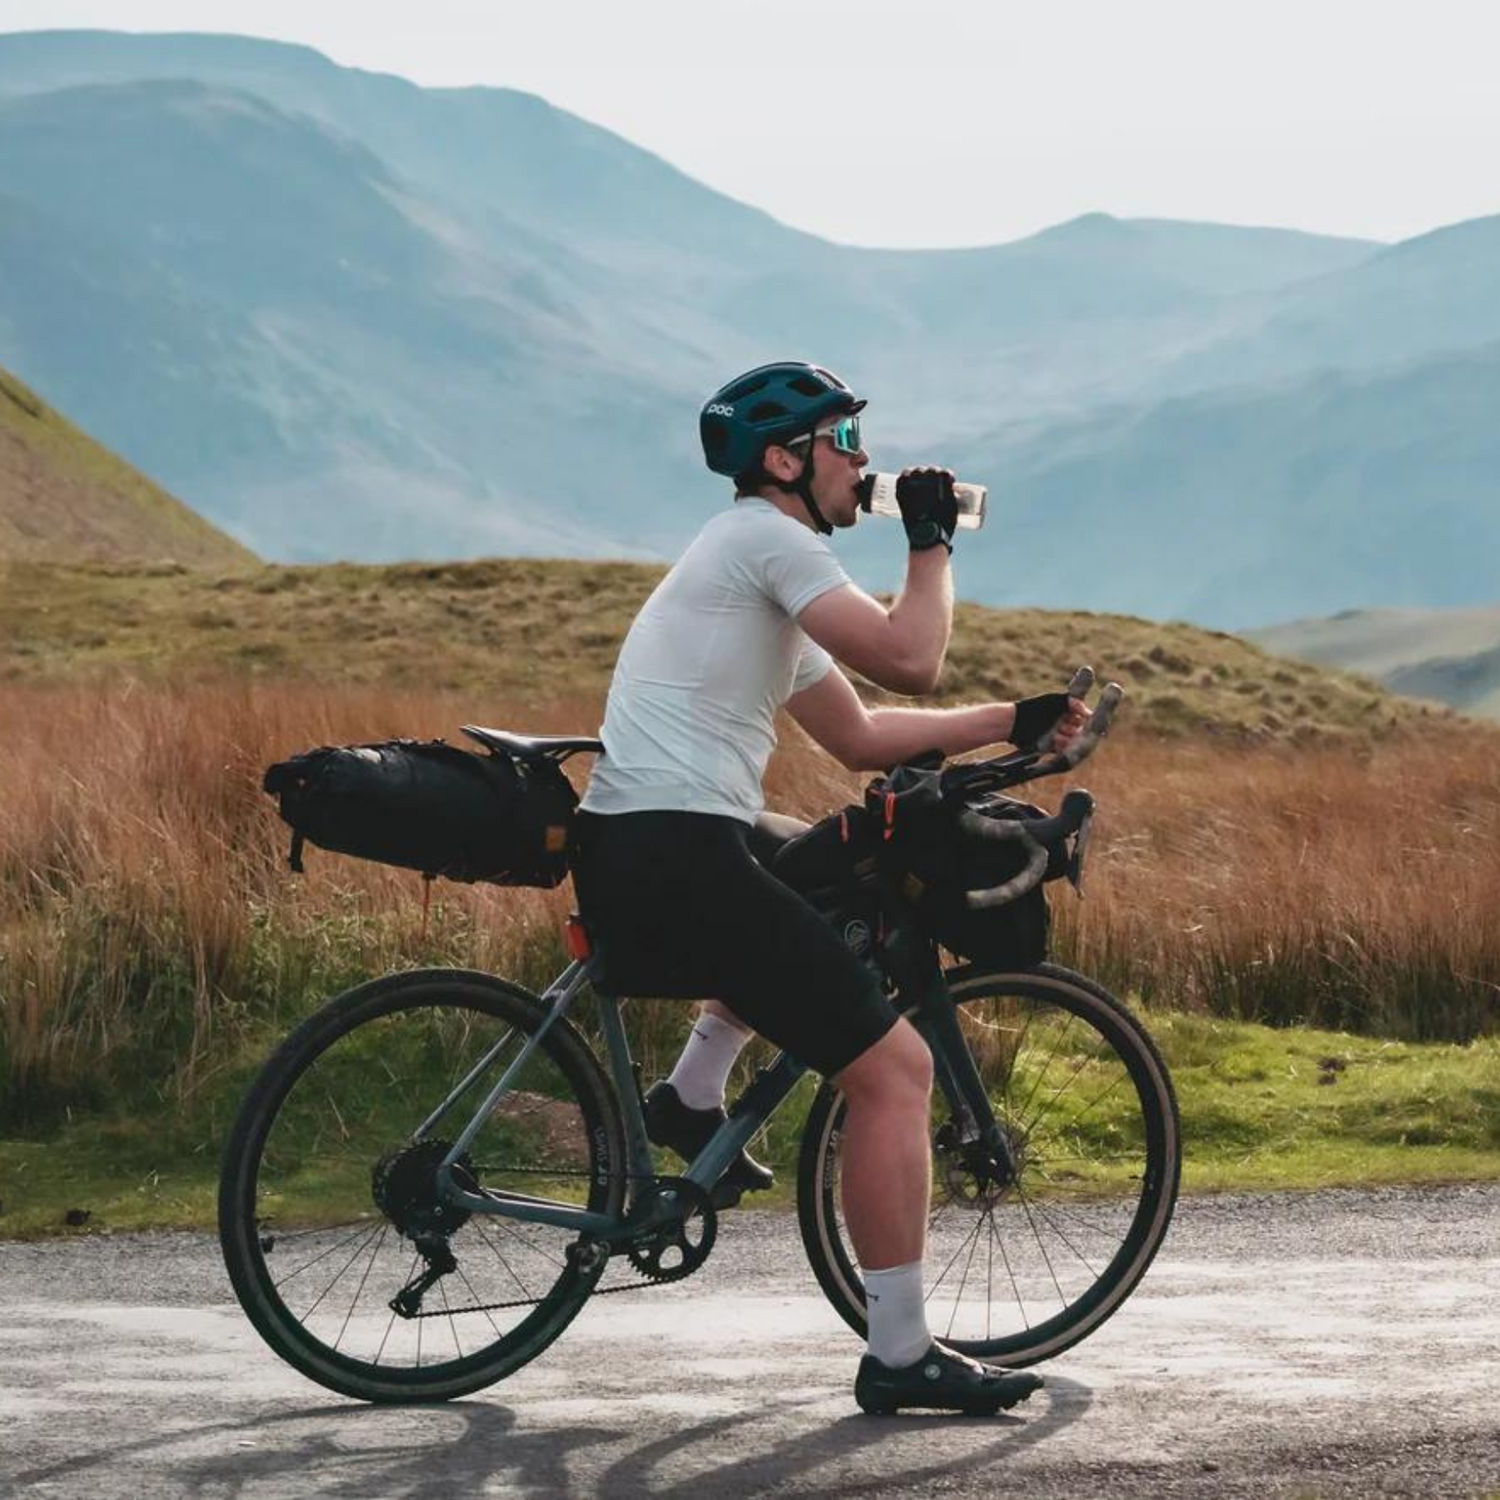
887	1173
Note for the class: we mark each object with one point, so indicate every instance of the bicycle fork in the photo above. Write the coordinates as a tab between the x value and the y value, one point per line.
957	1077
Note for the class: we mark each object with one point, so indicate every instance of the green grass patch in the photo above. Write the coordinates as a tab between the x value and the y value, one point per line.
1262	1109
1265	1108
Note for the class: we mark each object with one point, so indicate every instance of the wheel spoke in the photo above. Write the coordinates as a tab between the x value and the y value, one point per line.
367	1230
359	1290
495	1251
963	1281
317	1302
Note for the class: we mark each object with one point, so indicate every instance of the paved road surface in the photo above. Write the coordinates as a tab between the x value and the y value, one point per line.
1340	1344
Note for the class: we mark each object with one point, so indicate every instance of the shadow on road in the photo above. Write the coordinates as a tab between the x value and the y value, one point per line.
377	1453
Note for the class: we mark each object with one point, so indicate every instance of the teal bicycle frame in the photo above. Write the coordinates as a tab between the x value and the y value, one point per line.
935	1016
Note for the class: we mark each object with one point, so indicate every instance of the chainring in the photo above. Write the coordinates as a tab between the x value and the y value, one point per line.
669	1251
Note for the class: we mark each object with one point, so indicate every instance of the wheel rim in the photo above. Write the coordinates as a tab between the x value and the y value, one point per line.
328	1261
1023	1270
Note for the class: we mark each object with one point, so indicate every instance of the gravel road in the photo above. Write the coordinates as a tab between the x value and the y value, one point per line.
1333	1344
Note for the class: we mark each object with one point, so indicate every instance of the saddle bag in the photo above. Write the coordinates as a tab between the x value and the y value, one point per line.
429	806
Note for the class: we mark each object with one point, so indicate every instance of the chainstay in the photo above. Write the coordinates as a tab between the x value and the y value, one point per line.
606	1291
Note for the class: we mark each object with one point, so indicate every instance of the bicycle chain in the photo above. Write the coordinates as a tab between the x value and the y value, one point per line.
646	1280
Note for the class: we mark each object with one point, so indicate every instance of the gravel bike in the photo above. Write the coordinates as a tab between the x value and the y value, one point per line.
433	1174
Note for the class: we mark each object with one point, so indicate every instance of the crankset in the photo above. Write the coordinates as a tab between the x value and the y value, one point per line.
679	1240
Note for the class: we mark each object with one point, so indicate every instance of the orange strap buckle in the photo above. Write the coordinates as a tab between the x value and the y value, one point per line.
890	814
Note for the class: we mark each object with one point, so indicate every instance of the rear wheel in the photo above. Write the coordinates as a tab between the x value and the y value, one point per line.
1020	1272
328	1211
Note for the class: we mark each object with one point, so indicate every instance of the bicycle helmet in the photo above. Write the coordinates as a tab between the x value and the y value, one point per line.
772	404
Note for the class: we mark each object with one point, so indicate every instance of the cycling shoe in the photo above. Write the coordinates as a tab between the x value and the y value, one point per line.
670	1123
942	1380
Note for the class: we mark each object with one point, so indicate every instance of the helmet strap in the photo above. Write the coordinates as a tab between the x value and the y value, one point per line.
801	487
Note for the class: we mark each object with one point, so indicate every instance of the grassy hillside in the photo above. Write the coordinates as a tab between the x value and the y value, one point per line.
532	631
63	496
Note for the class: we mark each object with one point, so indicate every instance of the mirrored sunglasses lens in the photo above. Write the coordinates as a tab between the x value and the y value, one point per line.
846	435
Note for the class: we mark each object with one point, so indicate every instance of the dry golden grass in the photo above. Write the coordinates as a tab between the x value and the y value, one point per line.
149	930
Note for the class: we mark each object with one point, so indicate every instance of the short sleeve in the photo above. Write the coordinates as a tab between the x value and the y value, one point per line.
813	665
797	565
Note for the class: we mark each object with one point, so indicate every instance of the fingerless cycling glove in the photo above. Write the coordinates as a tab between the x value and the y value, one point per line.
929	508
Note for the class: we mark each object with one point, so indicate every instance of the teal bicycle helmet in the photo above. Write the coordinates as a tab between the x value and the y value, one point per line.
771	404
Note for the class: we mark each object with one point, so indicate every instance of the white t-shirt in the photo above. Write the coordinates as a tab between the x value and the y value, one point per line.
714	652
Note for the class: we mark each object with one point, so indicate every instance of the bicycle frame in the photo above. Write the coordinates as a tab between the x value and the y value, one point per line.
935	1015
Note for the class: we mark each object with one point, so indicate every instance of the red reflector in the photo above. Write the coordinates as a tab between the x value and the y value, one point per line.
577	938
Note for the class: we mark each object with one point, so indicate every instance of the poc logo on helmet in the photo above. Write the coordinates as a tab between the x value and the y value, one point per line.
718	409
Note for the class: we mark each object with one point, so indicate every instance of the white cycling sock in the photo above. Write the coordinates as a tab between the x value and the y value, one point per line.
898	1315
703	1069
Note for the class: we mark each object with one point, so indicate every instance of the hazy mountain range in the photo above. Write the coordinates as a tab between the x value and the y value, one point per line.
1450	655
347	316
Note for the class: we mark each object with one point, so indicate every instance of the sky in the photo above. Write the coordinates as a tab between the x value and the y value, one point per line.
935	122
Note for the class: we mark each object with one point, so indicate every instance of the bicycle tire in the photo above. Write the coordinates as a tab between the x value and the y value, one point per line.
297	1161
1093	1195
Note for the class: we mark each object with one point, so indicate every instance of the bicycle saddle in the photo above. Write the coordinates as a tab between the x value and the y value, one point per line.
532	746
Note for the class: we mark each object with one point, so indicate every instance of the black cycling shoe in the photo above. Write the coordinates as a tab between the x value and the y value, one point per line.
942	1380
670	1123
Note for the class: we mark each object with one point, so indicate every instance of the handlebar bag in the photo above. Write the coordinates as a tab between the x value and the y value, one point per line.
934	863
429	806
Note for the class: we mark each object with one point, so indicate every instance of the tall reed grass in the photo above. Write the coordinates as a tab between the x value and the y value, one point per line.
152	942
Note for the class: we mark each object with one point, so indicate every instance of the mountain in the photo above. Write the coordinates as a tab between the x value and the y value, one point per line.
1452	655
159	276
673	277
1237	509
63	498
1437	291
353	317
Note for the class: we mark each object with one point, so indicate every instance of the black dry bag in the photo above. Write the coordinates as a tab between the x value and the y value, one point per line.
429	806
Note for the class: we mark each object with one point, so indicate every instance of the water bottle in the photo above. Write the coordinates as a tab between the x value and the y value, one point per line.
877	494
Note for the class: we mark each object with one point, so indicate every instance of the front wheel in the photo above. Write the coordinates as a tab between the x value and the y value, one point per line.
329	1217
1016	1273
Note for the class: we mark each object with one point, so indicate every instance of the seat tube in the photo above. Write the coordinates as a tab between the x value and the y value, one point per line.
617	1045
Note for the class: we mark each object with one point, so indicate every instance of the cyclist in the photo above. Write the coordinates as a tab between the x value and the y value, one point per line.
757	615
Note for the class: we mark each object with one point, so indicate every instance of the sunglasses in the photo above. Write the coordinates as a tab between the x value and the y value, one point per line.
844	432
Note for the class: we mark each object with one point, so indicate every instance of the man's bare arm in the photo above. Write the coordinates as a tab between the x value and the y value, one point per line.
865	739
871	739
900	648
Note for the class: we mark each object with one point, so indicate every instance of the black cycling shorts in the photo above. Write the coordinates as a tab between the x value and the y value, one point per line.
677	907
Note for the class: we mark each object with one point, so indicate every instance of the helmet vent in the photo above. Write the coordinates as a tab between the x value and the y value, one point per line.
805	386
766	411
746	388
